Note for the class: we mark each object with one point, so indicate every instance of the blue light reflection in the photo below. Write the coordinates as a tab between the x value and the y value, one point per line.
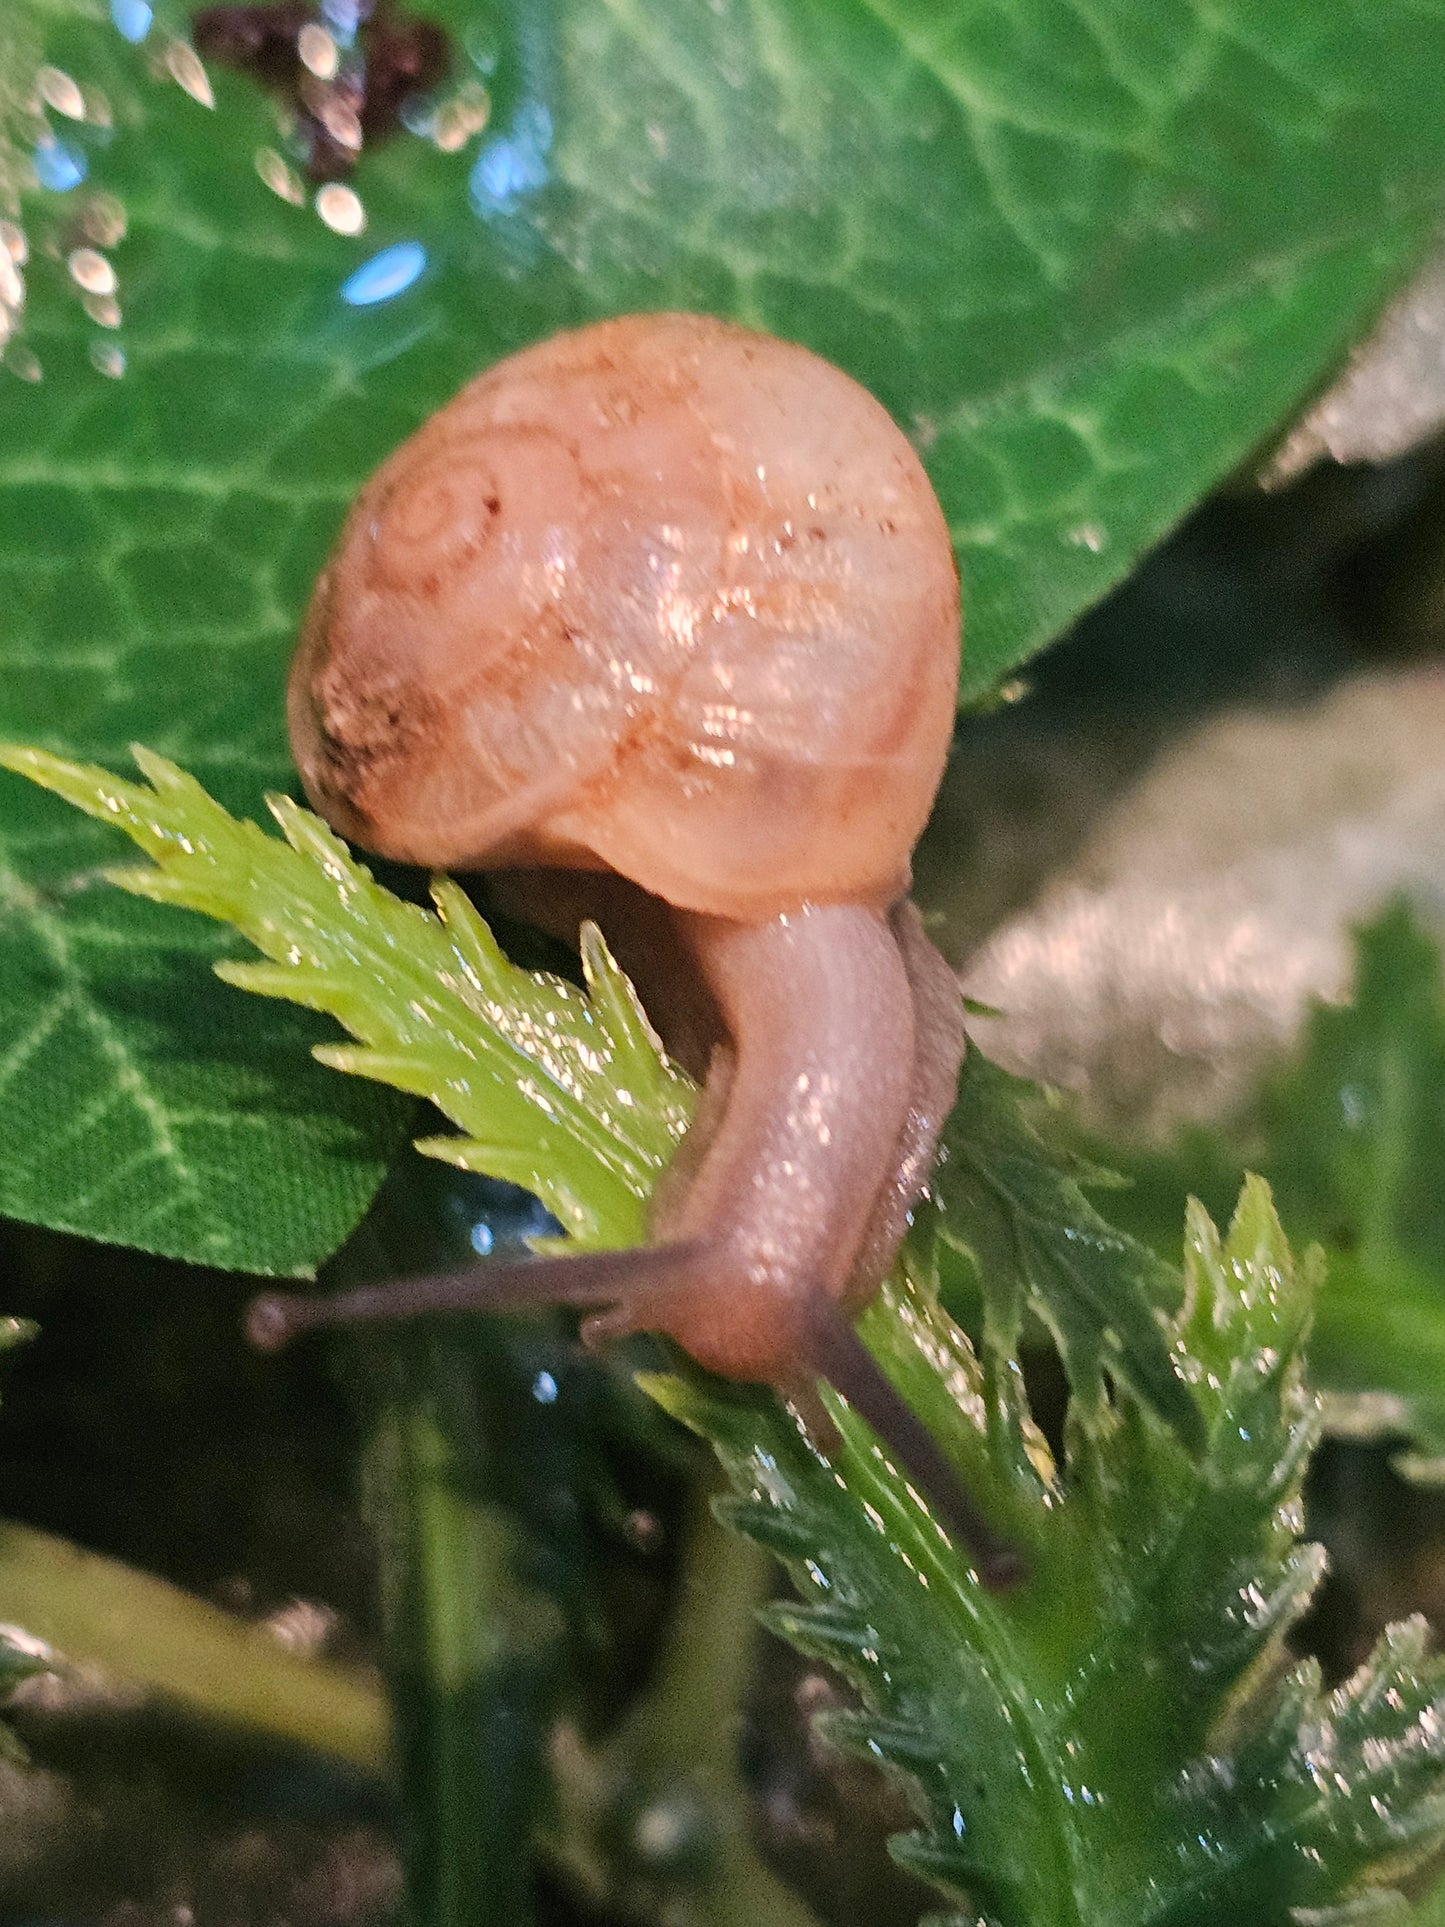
343	18
385	275
59	165
513	165
132	19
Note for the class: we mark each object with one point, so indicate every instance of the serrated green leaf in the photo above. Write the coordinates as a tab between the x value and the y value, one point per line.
1116	1740
1019	1211
1114	1743
563	1092
1350	1132
1088	258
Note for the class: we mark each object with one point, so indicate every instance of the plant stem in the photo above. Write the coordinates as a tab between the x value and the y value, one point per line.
472	1658
687	1728
140	1630
672	1769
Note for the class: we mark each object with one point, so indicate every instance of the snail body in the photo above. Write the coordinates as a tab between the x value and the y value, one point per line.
668	602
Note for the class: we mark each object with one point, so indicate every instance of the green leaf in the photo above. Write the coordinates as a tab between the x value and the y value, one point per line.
143	1103
1018	1210
1117	1741
107	1617
1120	1741
1089	258
1350	1132
1430	1912
562	1091
1353	1136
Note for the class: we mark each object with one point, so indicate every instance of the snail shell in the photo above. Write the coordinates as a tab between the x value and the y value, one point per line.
662	597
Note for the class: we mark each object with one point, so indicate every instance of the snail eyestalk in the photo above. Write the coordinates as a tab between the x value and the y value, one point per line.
590	1278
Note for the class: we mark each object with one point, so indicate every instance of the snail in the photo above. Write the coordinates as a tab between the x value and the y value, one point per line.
662	615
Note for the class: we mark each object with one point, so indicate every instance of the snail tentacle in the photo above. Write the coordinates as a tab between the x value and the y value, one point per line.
583	1279
839	1355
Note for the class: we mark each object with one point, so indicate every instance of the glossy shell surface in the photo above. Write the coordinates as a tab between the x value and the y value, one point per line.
660	596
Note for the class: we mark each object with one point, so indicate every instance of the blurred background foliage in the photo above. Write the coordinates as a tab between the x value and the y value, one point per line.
1093	259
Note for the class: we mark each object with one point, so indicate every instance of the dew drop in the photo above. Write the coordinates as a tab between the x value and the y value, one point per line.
183	64
279	177
417	115
91	271
318	50
340	208
108	359
344	16
12	290
1088	535
544	1389
513	165
453	124
103	309
59	91
103	220
341	122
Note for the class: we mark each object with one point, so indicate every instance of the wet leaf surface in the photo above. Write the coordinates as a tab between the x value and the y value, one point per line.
1088	256
1118	1740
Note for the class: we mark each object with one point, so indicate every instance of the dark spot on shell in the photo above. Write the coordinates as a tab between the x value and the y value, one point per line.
363	733
394	57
